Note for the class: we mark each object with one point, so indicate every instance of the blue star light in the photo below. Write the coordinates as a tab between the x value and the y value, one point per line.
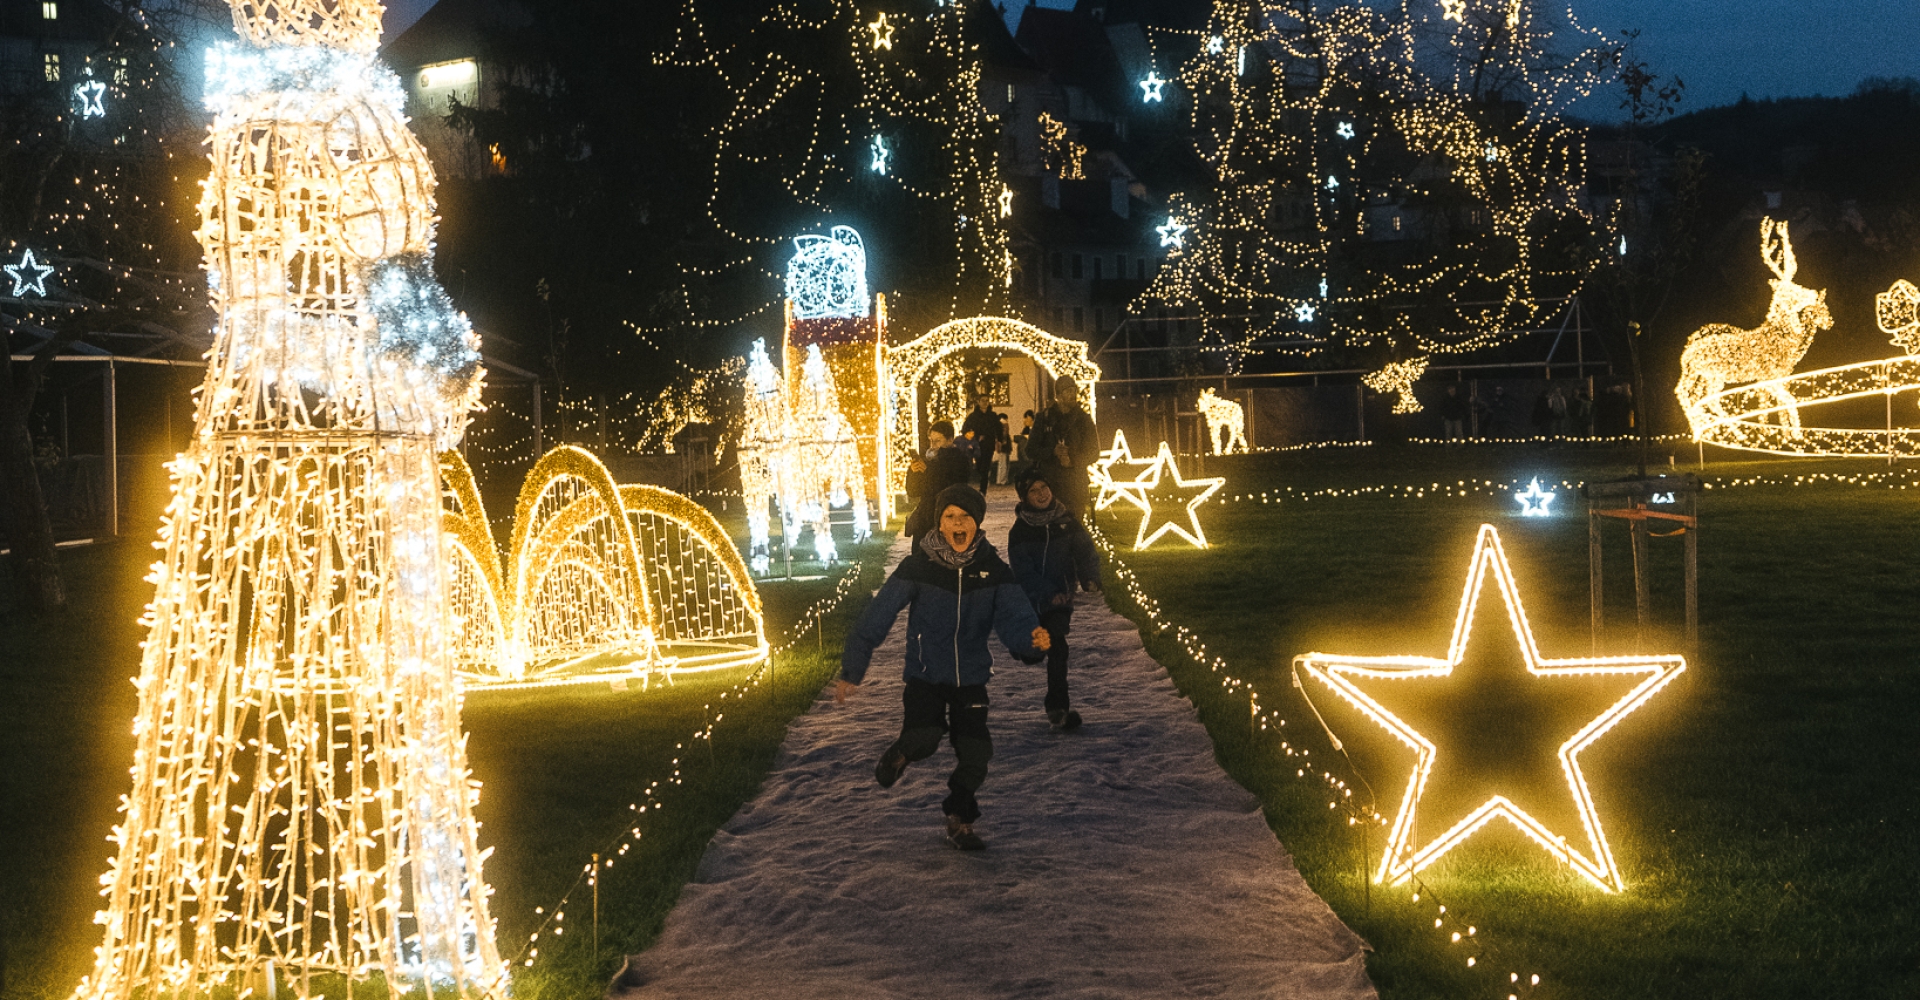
1333	183
29	276
1150	87
92	97
1173	234
881	154
1534	502
1303	312
1345	131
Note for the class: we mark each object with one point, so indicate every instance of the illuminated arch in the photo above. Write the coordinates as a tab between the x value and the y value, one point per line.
908	363
601	582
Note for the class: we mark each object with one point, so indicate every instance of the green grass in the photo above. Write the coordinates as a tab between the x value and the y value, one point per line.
1759	807
559	770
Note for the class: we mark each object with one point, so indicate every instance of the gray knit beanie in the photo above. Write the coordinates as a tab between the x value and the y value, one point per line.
964	497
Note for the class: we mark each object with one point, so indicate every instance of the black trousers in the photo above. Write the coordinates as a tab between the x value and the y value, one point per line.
984	466
1056	621
961	714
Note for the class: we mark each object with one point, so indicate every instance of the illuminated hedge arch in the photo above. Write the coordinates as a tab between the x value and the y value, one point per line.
908	363
601	582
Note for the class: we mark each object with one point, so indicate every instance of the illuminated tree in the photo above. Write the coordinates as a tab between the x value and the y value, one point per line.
1394	181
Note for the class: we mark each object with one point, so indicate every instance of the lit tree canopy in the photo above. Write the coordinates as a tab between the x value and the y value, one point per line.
1397	179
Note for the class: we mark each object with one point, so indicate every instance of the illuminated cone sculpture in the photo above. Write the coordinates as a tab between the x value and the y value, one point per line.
301	805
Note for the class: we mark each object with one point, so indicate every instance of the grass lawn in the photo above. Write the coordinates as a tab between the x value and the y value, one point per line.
560	770
1759	808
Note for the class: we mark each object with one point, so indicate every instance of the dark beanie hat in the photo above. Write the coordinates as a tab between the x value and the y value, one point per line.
1025	481
964	497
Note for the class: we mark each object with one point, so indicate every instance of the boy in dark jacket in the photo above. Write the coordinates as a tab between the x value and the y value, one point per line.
956	590
1051	552
942	466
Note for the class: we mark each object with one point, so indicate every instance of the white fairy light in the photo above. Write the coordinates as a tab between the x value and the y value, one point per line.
800	453
1226	422
828	276
881	154
1216	45
29	276
1304	312
1345	130
1333	183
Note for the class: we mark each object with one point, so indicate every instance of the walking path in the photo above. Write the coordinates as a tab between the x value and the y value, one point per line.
1121	861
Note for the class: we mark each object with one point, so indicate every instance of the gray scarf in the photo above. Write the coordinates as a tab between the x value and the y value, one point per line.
1041	518
941	551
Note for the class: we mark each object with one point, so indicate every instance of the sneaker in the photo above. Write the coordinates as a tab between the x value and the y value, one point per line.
961	835
888	770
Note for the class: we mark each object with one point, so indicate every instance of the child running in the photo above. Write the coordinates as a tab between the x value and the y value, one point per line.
1050	553
957	590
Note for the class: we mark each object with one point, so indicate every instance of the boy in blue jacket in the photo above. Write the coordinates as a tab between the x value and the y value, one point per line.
955	590
1051	554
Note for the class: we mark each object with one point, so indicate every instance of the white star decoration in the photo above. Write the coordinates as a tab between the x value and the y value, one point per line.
1201	490
29	276
1534	501
92	97
1150	87
1454	10
1366	682
1216	45
1133	491
880	155
1006	201
1173	234
1304	312
1345	131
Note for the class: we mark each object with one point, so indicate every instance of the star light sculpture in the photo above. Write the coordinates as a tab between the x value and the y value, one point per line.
1444	770
29	276
1216	45
882	32
1304	312
1150	87
92	97
1006	201
1194	491
1173	233
1534	500
1133	491
1454	10
880	155
1345	131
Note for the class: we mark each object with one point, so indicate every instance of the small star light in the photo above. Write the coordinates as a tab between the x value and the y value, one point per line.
1196	492
880	155
1454	10
1216	45
1323	288
1133	491
1173	234
1150	87
1534	501
882	32
92	97
1333	183
29	276
1345	131
1465	777
1623	245
1304	311
1493	153
1006	201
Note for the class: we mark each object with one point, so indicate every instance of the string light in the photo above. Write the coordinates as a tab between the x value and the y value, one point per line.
1225	420
1364	680
1061	155
1189	495
1398	377
29	276
1897	311
1534	501
301	804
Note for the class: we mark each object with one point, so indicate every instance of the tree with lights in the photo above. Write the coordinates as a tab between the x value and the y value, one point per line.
1386	184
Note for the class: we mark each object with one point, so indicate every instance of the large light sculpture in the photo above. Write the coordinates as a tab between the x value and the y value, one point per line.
301	805
601	583
1178	491
1718	355
1457	787
1398	377
1226	422
830	313
798	451
1111	490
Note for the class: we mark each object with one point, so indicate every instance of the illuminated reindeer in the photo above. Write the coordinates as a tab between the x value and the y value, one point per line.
1718	355
1222	415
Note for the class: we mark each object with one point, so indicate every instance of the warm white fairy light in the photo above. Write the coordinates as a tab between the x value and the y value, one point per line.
301	804
1111	490
1897	311
1363	681
1226	422
1189	495
1534	501
1398	377
1150	87
1006	202
800	452
1173	233
29	276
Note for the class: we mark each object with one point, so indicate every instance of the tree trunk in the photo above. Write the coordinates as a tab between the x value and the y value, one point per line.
36	566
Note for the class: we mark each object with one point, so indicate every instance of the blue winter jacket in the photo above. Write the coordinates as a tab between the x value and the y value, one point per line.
1051	559
949	615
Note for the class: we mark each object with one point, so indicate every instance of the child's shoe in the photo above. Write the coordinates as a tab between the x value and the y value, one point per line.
892	762
961	835
1064	720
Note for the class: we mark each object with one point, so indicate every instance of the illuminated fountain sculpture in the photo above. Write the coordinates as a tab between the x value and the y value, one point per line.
601	582
799	451
301	806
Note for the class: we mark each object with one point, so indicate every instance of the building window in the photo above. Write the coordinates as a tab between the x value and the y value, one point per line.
1099	319
1096	269
50	11
1079	319
1140	268
52	64
441	76
1079	266
1059	317
1009	93
1119	265
120	71
1056	264
1396	222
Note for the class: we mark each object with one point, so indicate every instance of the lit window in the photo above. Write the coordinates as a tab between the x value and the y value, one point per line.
1009	93
1396	223
50	11
449	74
120	71
53	66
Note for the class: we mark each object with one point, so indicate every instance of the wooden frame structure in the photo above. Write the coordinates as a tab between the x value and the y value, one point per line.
1673	500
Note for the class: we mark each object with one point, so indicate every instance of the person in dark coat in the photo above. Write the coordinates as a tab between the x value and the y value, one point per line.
984	425
942	466
955	590
1052	554
1064	443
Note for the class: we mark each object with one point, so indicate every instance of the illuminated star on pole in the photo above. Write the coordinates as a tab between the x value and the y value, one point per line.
1465	776
92	97
1304	312
882	32
1534	500
880	155
1173	234
1187	495
1150	87
29	276
1006	201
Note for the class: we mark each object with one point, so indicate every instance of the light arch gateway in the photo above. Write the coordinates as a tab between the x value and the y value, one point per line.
908	363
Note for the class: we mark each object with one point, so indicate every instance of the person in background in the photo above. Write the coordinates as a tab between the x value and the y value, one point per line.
1064	444
1002	453
983	425
942	466
1051	555
955	590
1022	442
1453	413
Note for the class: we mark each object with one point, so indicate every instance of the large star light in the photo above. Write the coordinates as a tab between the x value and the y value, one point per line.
881	154
91	94
1304	312
1454	10
1187	494
1173	233
29	276
1494	718
1133	491
1534	500
882	32
1150	87
1006	201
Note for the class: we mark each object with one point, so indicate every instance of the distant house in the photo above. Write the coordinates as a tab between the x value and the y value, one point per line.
445	57
47	46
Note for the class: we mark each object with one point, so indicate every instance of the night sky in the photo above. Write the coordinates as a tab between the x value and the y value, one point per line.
1721	48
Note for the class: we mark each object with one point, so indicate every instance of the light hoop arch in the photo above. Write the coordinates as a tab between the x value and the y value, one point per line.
908	363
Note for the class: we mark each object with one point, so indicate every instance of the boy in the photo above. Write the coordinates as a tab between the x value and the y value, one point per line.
1050	553
956	589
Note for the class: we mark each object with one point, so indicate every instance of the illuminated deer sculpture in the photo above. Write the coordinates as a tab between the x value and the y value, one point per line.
1718	355
1224	419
